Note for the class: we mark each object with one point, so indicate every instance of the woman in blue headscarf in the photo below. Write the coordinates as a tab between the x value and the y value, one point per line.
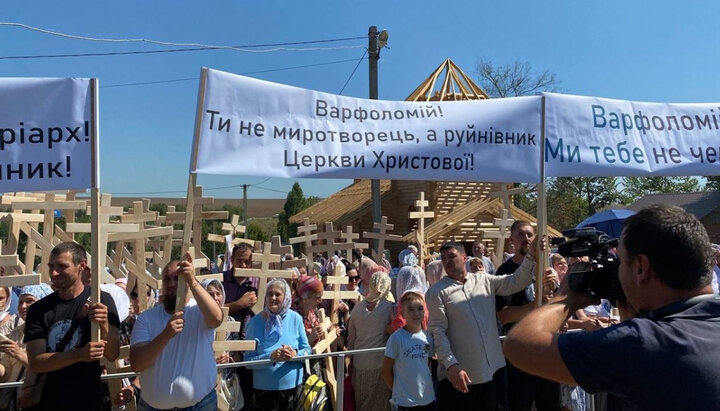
280	336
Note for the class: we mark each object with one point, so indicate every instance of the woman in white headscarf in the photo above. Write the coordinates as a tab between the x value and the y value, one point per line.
7	320
280	336
368	328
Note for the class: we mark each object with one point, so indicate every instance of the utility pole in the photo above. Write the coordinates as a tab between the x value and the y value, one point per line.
374	55
245	210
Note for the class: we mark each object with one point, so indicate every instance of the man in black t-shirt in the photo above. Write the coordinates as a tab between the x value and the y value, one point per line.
523	389
57	333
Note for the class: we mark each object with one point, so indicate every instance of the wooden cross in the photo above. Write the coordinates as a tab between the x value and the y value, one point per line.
278	248
38	240
421	216
13	261
105	227
324	346
349	238
307	237
503	233
221	345
119	365
330	246
199	215
381	235
505	193
234	226
264	273
140	215
337	280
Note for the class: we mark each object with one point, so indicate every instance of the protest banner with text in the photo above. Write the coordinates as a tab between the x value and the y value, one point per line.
46	132
591	136
256	128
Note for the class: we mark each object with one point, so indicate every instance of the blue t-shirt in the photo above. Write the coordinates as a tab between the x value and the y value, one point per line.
669	363
281	375
412	382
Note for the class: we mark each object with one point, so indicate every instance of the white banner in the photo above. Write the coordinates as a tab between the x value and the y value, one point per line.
253	127
45	134
591	136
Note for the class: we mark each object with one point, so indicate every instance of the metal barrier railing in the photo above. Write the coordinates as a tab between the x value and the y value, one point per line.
339	370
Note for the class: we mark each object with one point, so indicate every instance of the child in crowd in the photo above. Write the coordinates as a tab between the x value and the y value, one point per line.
406	365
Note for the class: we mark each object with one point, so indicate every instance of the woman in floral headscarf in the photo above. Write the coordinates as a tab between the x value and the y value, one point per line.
309	295
280	336
368	329
13	358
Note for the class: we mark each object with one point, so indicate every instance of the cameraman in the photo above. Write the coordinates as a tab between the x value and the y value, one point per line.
666	358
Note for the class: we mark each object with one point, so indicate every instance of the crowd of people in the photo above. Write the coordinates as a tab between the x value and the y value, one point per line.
440	324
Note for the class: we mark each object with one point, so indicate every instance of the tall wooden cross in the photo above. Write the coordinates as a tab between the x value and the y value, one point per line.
503	233
199	215
421	215
324	346
264	273
220	346
350	238
336	280
381	235
283	250
234	226
505	193
105	228
48	207
330	246
307	237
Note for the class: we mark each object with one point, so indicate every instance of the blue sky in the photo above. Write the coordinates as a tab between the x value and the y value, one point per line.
660	51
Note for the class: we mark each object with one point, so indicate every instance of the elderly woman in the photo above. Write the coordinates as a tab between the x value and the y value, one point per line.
309	295
13	358
280	336
368	328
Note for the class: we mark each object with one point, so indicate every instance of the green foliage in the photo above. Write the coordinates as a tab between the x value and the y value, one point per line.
572	199
161	208
255	232
636	187
294	203
713	183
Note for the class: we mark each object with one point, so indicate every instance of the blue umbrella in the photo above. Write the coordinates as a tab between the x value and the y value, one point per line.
609	221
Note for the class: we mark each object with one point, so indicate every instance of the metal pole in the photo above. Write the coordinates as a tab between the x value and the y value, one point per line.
245	210
374	54
340	374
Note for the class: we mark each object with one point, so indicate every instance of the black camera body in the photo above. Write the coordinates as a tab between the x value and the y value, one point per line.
599	276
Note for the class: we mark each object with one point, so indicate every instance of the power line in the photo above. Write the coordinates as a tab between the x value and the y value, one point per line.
126	53
170	43
205	189
353	72
245	73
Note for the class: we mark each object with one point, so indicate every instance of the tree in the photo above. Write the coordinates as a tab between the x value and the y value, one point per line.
713	183
636	187
294	203
572	199
513	79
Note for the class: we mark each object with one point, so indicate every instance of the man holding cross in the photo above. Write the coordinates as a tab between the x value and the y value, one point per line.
58	336
172	350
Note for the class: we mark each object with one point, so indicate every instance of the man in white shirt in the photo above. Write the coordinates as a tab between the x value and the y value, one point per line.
463	325
172	350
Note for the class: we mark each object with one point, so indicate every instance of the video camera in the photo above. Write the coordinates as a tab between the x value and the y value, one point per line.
598	276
